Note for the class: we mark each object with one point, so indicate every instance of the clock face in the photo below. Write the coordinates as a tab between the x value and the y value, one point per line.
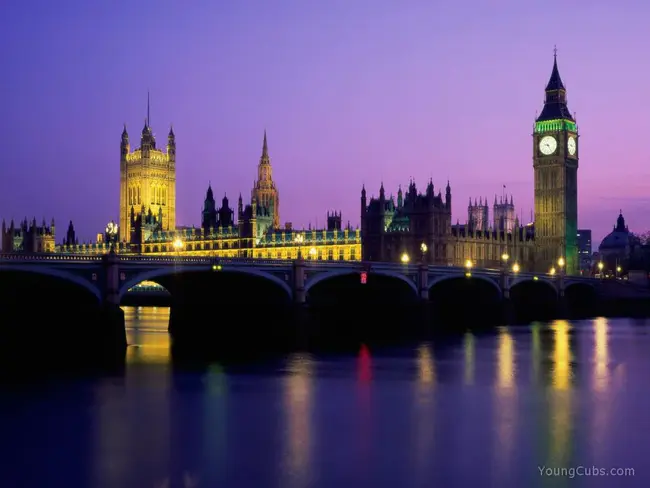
571	145
547	145
111	228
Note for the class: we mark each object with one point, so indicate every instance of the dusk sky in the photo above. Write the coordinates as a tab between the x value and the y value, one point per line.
350	92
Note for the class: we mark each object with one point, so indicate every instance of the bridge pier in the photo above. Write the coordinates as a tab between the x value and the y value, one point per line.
111	326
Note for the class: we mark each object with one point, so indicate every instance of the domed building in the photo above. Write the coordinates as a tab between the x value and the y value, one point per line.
617	247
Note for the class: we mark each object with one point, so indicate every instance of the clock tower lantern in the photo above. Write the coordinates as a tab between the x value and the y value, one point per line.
555	164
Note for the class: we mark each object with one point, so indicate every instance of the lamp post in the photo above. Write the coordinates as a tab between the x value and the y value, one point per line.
299	239
468	267
111	234
178	245
515	268
405	258
504	275
561	263
424	248
600	269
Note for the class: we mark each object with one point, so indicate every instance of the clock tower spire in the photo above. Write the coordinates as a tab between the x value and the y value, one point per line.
555	165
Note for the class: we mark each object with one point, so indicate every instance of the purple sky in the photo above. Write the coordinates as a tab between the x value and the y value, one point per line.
349	91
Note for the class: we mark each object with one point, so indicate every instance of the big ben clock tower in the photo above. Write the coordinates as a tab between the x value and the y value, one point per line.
555	163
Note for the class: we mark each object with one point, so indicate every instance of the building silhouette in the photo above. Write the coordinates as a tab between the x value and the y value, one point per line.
147	182
392	230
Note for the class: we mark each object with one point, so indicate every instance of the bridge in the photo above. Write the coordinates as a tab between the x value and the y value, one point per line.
252	296
109	277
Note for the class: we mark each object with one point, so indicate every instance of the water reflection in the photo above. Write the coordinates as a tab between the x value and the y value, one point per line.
506	359
536	352
215	415
561	397
298	403
469	347
601	384
365	421
424	412
601	355
133	431
147	335
562	357
506	404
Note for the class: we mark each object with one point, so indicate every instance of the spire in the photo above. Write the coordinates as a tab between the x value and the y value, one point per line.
265	148
555	82
148	111
555	103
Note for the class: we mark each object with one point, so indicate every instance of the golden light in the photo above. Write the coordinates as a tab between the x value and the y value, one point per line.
423	247
405	258
552	272
312	252
560	262
468	264
618	269
178	244
505	257
515	268
600	266
299	239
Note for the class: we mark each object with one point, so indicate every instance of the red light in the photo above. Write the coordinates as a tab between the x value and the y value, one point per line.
364	277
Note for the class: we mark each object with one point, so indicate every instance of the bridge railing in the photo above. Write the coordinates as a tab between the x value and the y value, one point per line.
71	258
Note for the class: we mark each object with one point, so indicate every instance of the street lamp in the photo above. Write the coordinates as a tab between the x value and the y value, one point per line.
561	263
405	258
618	271
178	245
515	268
468	264
424	248
505	257
552	271
600	268
299	239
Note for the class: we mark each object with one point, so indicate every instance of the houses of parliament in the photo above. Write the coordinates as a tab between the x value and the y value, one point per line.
416	225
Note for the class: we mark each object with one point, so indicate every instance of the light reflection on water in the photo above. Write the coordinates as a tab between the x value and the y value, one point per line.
477	410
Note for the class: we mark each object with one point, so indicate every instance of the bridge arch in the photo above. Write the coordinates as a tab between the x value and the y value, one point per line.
486	279
324	276
163	272
527	280
57	273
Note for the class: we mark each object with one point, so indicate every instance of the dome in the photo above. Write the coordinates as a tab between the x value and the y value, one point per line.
619	238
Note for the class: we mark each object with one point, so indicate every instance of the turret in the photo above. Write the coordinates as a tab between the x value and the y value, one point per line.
240	209
382	193
400	197
171	145
364	202
124	144
448	196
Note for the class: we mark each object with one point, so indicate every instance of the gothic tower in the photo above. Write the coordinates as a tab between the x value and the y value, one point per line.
147	180
264	190
555	163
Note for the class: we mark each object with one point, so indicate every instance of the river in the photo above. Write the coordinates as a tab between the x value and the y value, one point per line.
539	405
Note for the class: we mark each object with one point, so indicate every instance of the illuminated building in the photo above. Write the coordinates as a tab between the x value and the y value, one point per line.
253	234
28	237
147	182
584	250
555	163
264	191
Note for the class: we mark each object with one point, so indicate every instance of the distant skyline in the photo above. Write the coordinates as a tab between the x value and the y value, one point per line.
350	93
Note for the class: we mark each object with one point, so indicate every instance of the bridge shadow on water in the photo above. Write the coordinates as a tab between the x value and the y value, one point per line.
48	319
343	310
